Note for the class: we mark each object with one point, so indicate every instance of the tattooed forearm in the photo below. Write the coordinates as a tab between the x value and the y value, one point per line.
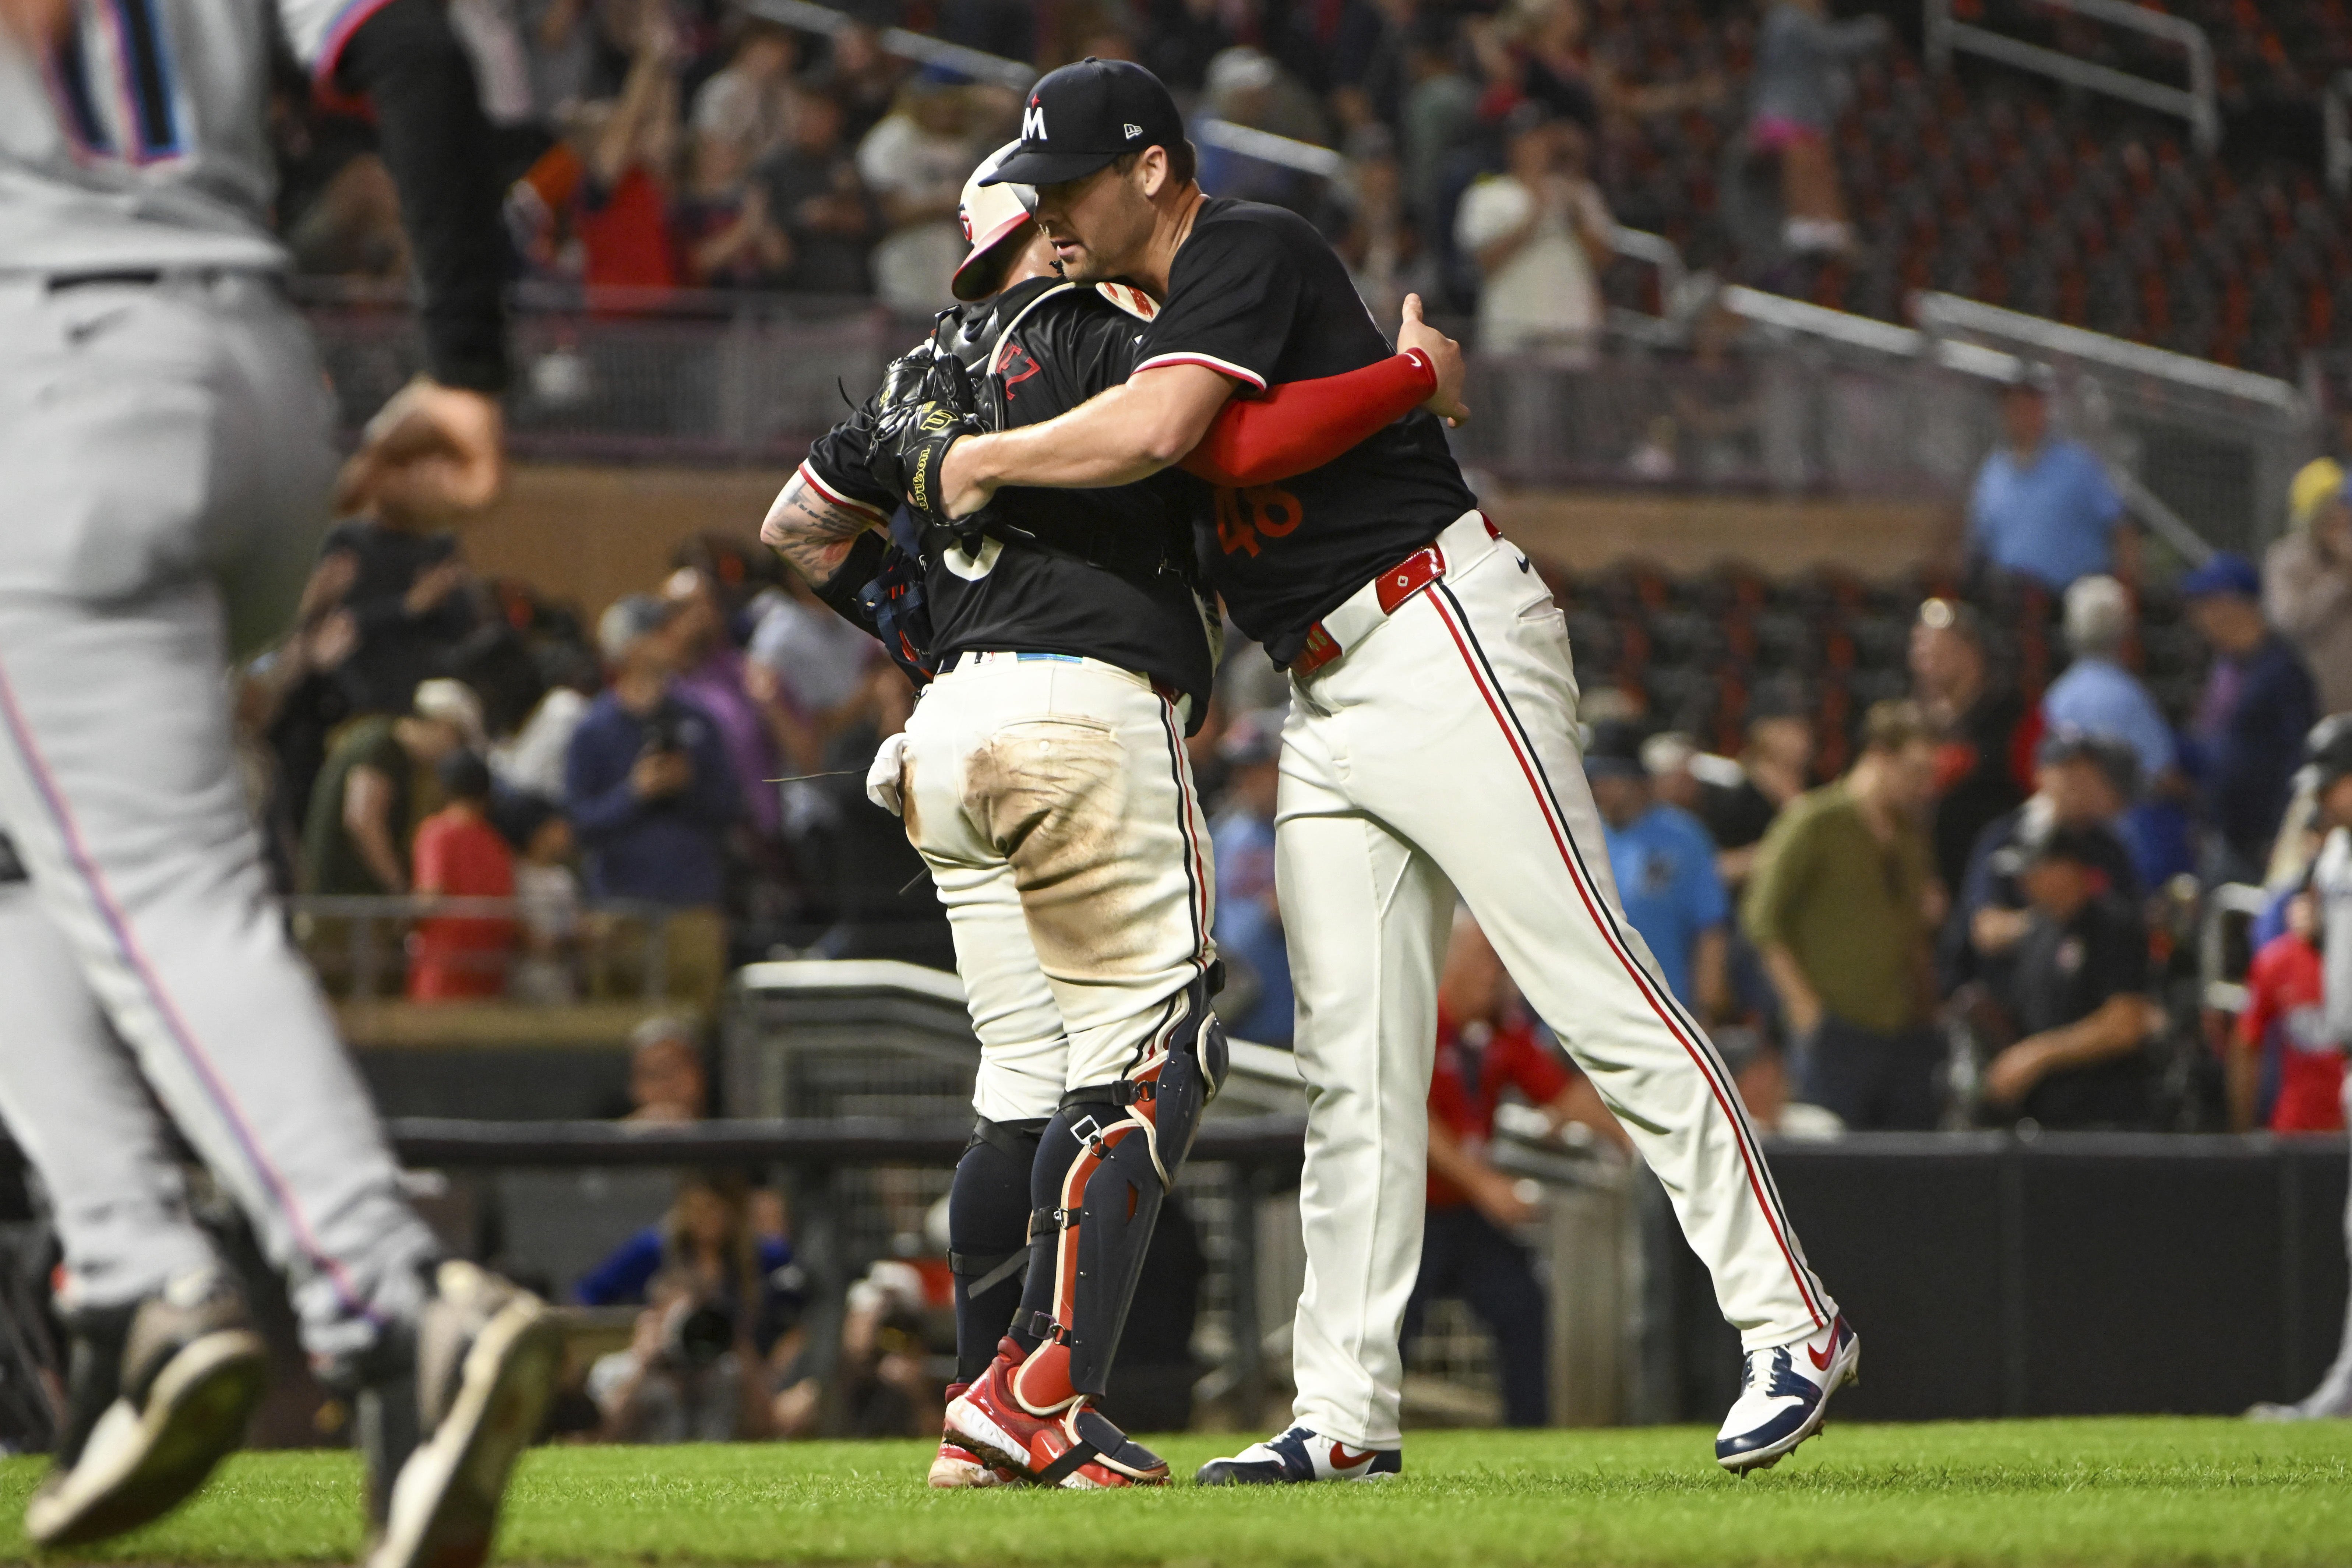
811	532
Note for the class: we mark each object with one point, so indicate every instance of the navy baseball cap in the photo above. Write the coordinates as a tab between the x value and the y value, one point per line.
1084	115
2224	573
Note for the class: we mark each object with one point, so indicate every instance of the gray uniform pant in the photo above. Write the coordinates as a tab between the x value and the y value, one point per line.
165	453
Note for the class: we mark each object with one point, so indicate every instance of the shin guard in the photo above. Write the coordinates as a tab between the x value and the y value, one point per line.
1130	1138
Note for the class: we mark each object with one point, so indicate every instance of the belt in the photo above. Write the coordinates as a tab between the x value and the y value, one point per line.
973	660
157	277
1378	599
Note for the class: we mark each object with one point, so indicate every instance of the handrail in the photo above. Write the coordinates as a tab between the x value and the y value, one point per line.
923	51
2336	130
2163	522
2198	103
1268	147
1945	313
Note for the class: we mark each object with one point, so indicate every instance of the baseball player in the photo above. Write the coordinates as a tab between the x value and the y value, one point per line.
165	432
1431	747
2328	758
1045	780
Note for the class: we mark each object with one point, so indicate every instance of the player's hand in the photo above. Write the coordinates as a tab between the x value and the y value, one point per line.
433	454
1444	356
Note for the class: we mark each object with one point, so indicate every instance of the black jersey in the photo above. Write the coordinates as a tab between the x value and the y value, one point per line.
1040	349
1256	293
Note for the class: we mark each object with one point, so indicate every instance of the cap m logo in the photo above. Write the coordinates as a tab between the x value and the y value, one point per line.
1033	123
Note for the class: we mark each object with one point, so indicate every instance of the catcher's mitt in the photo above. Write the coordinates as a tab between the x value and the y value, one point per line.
927	404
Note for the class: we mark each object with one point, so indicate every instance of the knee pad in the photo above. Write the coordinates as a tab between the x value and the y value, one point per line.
1132	1136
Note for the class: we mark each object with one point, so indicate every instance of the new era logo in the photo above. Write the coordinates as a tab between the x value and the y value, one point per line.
1133	131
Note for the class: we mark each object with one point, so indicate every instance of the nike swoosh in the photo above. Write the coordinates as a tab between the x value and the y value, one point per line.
1340	1461
1821	1361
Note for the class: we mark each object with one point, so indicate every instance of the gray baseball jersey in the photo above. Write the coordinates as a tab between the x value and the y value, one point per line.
139	142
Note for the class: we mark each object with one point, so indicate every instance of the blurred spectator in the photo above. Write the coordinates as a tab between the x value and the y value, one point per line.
596	206
2082	783
1668	758
2282	1042
885	1393
561	42
1664	865
2307	581
861	79
2096	694
1441	115
1182	36
667	1079
377	781
813	194
1257	1003
2077	996
1380	247
1839	906
813	677
1485	1045
651	794
1984	739
459	855
915	162
407	593
1773	770
719	1301
1541	233
711	673
1245	87
531	761
2041	506
745	107
1801	85
547	901
2247	736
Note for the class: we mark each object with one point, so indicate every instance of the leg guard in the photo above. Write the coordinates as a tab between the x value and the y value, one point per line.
988	1244
1131	1137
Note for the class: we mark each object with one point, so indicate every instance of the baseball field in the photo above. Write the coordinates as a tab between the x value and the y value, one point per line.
2015	1493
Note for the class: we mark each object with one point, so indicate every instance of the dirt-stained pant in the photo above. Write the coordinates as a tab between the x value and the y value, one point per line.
1052	800
166	452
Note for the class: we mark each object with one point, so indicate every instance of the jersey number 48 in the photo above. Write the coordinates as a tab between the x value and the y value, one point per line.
1244	516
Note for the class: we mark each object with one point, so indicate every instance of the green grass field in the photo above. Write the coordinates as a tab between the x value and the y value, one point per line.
2070	1492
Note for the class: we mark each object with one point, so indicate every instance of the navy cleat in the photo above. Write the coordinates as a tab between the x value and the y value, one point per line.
1784	1397
1300	1454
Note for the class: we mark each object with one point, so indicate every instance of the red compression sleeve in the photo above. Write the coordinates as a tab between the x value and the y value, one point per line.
1303	425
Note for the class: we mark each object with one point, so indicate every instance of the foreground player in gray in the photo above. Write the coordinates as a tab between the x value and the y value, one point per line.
164	438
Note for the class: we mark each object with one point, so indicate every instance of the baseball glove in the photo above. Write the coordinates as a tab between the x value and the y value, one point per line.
927	404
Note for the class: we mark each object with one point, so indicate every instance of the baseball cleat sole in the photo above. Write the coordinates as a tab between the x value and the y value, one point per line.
138	1465
444	1505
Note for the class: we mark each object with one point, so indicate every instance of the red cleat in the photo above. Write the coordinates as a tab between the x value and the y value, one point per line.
1074	1447
957	1467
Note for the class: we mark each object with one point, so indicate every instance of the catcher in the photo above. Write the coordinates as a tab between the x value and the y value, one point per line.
1065	652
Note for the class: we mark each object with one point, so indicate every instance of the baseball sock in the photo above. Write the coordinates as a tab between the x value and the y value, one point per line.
988	1239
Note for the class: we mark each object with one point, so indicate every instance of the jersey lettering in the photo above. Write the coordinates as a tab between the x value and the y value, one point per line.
1244	516
1014	364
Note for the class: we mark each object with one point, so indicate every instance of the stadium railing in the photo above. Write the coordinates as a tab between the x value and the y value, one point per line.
2197	103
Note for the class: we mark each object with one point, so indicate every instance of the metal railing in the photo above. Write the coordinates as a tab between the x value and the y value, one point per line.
2197	103
919	47
359	946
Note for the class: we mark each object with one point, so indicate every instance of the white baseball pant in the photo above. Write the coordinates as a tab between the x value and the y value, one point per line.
168	459
1437	756
1052	798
